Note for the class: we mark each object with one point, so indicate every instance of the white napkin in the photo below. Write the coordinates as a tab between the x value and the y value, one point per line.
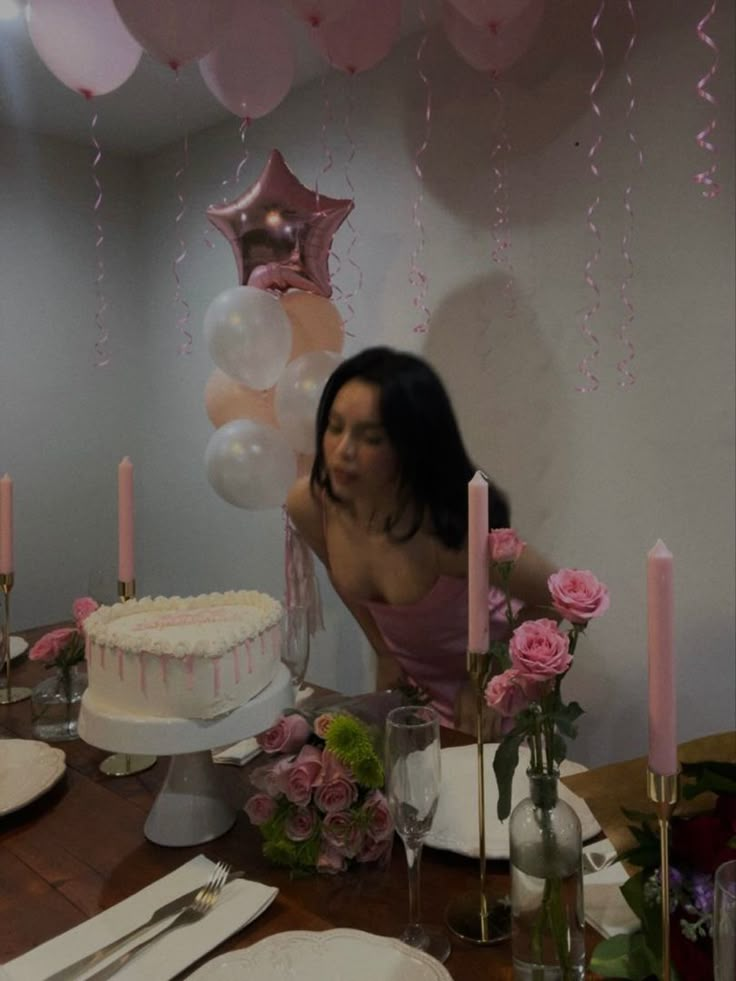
605	908
239	753
240	902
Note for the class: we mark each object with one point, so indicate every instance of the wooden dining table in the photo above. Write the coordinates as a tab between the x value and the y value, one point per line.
80	848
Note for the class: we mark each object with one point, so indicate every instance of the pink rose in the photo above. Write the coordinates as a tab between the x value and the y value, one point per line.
299	778
260	808
341	831
539	649
270	778
331	859
578	595
375	850
511	692
288	735
505	545
335	788
81	609
301	824
379	823
52	644
322	724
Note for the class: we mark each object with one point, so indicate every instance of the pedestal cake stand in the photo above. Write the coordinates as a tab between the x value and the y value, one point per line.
190	807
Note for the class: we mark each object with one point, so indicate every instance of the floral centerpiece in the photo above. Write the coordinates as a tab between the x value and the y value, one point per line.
318	803
699	844
545	843
54	700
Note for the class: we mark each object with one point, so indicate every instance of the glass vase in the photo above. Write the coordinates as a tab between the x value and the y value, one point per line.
55	704
547	916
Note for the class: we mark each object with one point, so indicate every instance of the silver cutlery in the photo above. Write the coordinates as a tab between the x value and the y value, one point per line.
219	877
597	861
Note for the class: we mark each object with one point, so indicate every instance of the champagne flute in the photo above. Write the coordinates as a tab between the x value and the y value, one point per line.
295	643
412	792
724	922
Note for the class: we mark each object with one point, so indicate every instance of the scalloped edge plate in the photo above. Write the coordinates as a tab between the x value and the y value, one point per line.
28	768
313	956
455	825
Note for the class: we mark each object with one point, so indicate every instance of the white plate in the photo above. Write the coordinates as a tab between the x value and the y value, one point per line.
27	770
18	646
455	826
337	955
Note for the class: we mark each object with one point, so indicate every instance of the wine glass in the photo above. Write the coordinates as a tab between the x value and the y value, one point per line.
724	922
295	643
412	792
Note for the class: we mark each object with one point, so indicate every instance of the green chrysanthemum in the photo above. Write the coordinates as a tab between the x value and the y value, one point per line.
349	741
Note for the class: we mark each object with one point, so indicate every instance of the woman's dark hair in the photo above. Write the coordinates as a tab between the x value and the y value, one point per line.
420	423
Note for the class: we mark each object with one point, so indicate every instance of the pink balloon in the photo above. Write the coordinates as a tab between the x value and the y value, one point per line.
487	12
252	69
315	13
494	49
84	43
177	31
362	38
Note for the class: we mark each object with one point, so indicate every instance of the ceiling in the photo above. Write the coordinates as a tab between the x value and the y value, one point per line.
152	109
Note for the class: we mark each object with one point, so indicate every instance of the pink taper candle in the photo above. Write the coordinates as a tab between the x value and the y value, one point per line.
478	564
662	689
6	524
126	571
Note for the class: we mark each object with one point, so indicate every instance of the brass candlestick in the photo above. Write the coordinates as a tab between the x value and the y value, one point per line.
663	791
8	694
124	764
473	916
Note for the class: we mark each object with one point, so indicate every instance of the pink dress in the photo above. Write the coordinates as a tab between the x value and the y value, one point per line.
429	638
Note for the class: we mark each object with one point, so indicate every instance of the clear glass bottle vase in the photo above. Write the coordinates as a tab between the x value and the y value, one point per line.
548	920
55	704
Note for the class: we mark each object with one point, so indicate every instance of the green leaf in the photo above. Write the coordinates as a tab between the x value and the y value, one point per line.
624	956
504	764
708	775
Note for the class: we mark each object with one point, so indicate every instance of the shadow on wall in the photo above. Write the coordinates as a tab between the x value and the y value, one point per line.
547	94
514	408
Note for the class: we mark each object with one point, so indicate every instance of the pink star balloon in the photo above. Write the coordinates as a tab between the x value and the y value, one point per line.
281	231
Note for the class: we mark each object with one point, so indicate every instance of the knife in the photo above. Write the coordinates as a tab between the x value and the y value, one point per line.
72	971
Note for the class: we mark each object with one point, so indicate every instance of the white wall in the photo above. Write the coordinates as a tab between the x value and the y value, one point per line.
594	478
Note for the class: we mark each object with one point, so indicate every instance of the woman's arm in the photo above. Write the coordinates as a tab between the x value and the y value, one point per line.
529	583
305	511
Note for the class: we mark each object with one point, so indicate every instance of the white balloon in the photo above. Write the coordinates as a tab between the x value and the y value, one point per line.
297	396
248	335
250	465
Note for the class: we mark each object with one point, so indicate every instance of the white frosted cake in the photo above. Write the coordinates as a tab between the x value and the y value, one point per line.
194	657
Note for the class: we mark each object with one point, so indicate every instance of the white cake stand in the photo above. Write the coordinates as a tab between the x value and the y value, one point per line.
190	808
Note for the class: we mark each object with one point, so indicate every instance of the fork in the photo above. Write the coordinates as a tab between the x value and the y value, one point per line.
178	905
199	907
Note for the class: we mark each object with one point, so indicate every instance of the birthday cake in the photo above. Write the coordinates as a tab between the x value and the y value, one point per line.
195	657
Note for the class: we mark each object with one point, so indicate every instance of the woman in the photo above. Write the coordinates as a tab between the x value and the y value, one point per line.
385	509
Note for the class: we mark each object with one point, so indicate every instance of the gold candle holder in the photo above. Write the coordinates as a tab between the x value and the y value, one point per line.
124	764
473	916
663	790
8	694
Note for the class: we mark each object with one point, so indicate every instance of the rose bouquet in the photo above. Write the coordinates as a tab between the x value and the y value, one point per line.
527	691
64	647
699	844
318	804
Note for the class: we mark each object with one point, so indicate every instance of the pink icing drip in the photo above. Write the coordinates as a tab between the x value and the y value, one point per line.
216	676
236	665
190	671
102	657
142	673
249	652
263	646
120	664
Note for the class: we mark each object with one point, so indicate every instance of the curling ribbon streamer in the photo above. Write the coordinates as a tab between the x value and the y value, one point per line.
302	587
242	130
706	178
417	277
327	165
624	366
347	126
102	357
500	229
185	344
584	366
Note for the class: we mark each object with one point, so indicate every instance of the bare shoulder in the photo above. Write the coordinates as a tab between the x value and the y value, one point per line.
305	511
